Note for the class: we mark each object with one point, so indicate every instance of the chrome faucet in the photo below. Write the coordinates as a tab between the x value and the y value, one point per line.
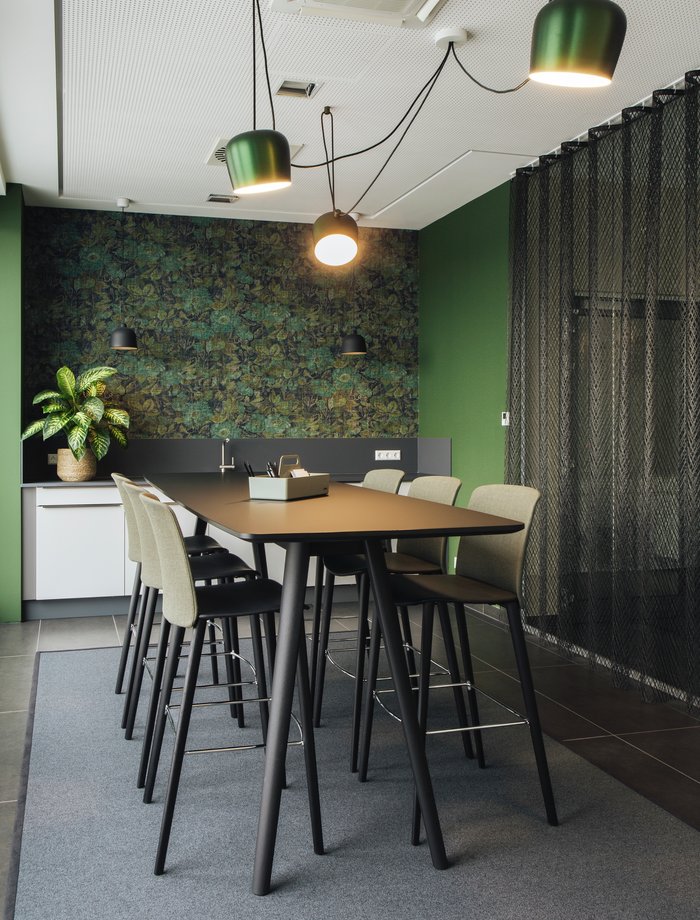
224	465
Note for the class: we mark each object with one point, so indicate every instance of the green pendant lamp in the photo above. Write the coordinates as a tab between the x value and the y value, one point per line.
577	42
259	160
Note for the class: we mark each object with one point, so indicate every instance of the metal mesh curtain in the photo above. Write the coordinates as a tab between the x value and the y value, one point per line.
604	392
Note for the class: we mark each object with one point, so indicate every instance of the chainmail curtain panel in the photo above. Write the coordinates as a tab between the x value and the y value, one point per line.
604	392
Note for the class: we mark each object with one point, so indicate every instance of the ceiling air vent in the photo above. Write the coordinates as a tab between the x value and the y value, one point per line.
223	199
299	89
218	154
411	13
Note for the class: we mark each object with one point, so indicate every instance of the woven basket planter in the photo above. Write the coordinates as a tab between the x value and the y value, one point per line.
71	470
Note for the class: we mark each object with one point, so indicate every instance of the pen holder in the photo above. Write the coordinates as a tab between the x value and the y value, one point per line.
288	488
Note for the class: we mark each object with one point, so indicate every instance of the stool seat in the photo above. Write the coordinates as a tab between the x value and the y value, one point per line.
245	598
406	564
421	589
219	565
201	543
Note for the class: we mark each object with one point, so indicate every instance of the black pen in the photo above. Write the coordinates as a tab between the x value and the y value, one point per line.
271	470
248	468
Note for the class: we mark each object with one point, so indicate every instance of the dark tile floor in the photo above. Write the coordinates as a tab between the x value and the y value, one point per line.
653	748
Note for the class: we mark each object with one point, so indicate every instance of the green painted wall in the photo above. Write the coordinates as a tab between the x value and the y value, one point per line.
10	387
463	307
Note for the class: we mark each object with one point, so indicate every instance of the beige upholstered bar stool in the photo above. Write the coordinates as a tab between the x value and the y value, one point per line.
215	566
196	544
412	555
489	571
186	606
381	480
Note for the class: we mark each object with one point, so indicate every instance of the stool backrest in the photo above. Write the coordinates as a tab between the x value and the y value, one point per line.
498	559
150	564
132	530
442	489
179	596
384	480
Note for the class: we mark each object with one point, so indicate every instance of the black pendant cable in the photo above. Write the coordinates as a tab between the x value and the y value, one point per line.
123	338
575	43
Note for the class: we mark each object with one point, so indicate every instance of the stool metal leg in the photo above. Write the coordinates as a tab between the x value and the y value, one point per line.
323	645
183	725
174	649
455	677
126	642
135	690
316	623
134	661
161	654
426	645
361	653
528	690
461	620
372	669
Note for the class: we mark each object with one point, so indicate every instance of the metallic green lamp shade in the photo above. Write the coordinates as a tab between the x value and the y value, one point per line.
577	42
258	161
335	238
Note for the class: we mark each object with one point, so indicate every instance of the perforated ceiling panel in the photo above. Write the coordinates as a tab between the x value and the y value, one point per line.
148	88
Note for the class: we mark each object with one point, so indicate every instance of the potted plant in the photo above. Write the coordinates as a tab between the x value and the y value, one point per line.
78	409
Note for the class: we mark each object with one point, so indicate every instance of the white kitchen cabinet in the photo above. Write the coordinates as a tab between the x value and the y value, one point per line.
79	543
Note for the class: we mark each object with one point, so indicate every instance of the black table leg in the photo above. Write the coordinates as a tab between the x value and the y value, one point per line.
290	632
399	672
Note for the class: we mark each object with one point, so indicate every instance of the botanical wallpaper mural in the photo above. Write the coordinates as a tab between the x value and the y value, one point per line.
238	325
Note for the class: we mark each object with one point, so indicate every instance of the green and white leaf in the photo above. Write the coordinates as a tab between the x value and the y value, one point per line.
65	378
94	407
94	375
45	394
55	406
81	419
56	423
99	441
118	436
33	428
76	440
117	417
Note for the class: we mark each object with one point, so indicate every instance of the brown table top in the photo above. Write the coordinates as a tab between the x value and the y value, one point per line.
346	513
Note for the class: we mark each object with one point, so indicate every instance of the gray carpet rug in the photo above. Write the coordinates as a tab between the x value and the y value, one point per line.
88	842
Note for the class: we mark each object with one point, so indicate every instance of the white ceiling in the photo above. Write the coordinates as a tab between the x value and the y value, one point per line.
147	88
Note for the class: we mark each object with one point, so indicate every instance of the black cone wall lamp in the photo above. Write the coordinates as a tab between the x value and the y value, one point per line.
353	344
259	160
123	338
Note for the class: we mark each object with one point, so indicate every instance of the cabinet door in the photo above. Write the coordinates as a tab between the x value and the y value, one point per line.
79	551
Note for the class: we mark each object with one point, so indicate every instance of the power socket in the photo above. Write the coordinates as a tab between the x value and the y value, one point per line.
387	455
52	459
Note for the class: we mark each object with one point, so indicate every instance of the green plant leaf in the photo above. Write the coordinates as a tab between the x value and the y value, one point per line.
59	405
118	436
33	428
94	375
99	441
45	394
117	417
66	382
95	408
76	440
96	389
79	452
56	423
81	419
